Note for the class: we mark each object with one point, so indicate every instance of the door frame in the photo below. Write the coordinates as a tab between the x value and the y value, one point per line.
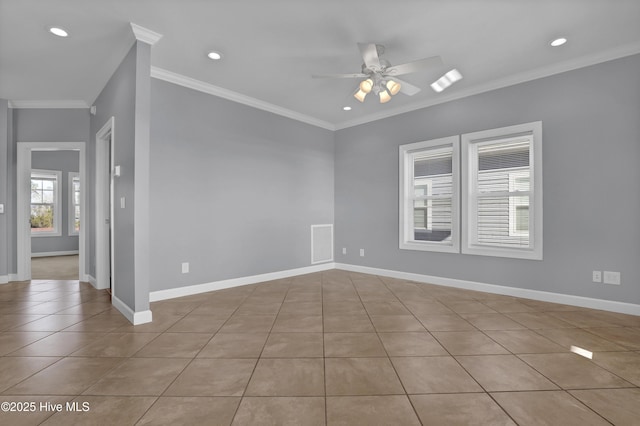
105	261
23	185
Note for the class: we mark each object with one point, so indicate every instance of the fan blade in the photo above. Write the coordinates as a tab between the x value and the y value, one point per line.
370	55
407	88
415	66
357	75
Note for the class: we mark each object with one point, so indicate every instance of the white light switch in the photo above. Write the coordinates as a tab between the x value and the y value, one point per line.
122	202
116	172
185	267
1	208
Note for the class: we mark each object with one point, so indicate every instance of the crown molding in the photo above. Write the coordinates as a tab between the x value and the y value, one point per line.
558	68
181	80
145	35
58	104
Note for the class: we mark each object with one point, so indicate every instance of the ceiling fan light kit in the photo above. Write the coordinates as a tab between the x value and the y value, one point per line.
380	77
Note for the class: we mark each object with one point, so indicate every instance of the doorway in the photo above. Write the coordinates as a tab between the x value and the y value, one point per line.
55	215
105	145
23	220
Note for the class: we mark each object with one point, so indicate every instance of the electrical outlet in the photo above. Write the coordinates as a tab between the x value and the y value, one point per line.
185	267
344	250
612	277
597	276
361	252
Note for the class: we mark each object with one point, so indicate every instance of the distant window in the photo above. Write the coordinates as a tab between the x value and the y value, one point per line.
74	203
46	209
429	195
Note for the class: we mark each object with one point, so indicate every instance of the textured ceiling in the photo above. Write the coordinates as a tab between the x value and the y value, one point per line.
271	48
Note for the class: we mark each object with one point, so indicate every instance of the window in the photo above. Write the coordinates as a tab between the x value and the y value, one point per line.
74	204
429	195
45	203
502	183
499	183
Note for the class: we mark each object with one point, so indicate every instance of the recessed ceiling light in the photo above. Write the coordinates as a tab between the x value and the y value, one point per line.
558	42
58	31
214	55
347	108
446	80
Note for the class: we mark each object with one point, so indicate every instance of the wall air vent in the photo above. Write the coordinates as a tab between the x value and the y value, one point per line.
321	243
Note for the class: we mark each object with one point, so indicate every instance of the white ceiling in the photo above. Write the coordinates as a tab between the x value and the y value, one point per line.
271	48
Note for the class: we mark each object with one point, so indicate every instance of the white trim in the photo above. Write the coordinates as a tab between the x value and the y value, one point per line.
330	225
135	318
230	95
54	104
55	253
405	210
145	35
102	235
172	293
545	296
23	173
23	229
88	278
71	211
4	279
512	80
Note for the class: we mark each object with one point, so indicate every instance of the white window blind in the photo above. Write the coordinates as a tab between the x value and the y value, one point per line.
502	183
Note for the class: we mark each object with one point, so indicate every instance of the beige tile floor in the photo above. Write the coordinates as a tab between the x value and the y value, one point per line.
332	348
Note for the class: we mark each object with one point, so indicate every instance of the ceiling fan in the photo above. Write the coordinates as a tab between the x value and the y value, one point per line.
380	77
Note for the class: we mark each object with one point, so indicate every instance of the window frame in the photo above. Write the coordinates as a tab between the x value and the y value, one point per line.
514	175
71	212
57	204
407	154
469	154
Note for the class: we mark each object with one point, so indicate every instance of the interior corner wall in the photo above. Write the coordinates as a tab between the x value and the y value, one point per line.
234	190
117	99
591	149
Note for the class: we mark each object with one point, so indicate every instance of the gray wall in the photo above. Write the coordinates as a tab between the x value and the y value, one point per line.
234	190
591	149
37	125
4	189
66	162
117	99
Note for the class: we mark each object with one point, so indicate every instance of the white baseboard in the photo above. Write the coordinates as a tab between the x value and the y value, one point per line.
135	318
172	293
55	253
94	282
545	296
91	280
5	279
